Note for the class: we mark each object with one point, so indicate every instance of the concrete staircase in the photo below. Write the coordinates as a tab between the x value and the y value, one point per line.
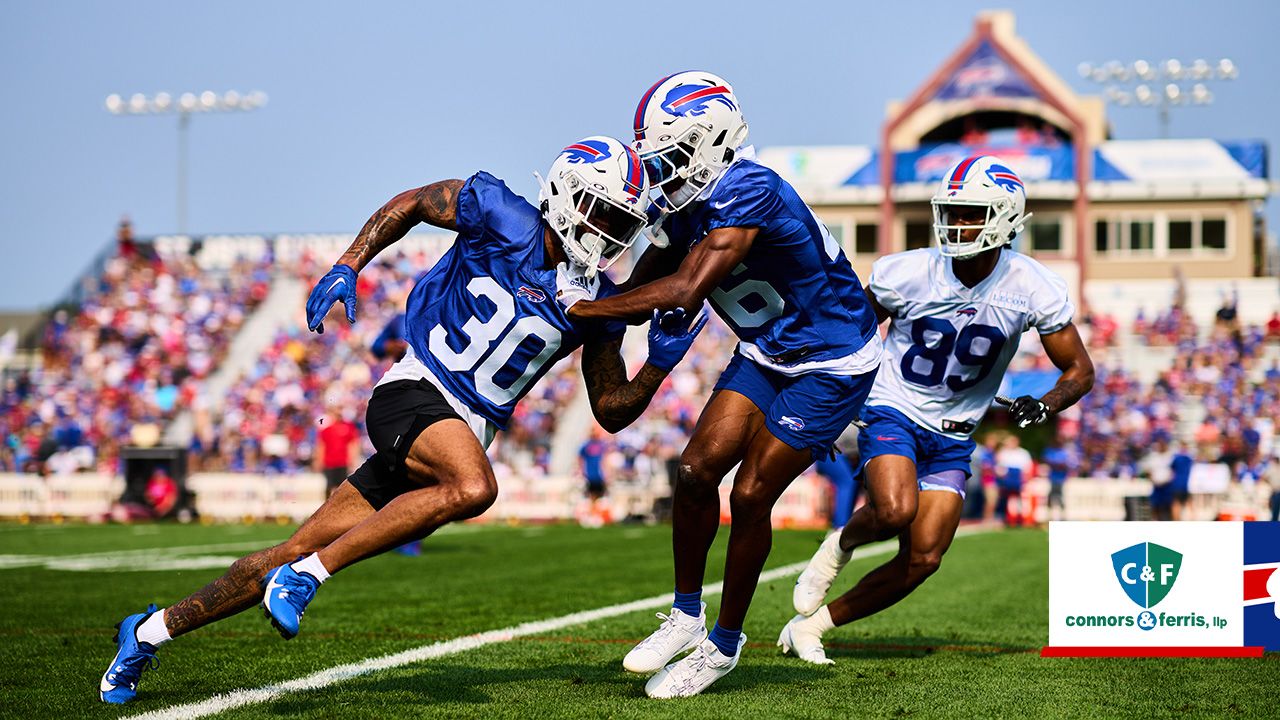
285	301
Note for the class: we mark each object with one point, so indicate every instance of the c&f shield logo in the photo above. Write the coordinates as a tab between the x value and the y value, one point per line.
1146	572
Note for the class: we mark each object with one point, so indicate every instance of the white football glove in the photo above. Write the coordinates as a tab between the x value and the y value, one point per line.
572	285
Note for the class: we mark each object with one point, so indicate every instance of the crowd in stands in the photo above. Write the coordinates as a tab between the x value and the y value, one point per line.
117	368
148	331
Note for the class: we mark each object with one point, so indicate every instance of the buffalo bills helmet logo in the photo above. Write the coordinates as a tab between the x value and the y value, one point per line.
587	151
1005	178
695	99
967	311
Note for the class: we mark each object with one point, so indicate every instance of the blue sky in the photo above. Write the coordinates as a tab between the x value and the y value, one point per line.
371	98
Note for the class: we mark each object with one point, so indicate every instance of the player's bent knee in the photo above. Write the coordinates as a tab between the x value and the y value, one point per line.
895	514
923	565
693	480
475	496
750	500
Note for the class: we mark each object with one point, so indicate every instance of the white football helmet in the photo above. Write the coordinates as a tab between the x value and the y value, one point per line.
688	126
594	199
979	191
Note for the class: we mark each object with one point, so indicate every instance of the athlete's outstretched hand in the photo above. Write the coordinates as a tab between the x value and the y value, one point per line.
337	285
1027	411
572	284
670	335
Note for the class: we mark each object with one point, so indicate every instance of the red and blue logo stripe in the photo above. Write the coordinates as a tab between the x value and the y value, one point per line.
638	124
634	180
956	181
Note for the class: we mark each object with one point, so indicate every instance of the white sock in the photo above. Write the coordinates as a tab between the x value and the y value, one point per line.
152	630
820	621
312	566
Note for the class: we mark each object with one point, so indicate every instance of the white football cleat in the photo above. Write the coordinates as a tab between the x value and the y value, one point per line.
678	632
694	672
813	584
805	642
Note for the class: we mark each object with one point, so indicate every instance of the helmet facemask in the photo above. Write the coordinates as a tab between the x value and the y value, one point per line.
954	220
675	171
594	229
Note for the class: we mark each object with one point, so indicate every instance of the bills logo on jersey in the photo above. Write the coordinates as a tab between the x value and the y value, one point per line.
587	151
1005	178
969	312
1262	585
794	423
694	100
531	294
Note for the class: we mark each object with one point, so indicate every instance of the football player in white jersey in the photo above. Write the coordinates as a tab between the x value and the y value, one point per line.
956	312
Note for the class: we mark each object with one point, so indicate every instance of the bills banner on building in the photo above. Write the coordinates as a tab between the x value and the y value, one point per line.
1159	589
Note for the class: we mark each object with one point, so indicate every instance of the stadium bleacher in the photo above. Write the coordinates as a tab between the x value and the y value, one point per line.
124	367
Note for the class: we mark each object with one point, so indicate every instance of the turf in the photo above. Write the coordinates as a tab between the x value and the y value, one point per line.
964	645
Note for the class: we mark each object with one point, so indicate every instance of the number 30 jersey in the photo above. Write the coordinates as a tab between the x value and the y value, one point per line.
485	319
949	345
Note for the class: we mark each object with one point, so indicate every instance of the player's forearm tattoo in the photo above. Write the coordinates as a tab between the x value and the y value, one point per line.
1065	393
435	203
616	401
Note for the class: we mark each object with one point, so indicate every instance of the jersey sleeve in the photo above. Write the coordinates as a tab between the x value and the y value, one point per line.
1051	308
883	288
490	215
748	202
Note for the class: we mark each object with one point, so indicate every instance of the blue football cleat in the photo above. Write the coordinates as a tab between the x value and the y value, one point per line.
287	593
120	682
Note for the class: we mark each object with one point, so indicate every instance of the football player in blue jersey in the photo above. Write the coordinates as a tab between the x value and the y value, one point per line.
738	234
956	312
481	327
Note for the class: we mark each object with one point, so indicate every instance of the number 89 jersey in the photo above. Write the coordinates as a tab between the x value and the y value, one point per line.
949	345
485	319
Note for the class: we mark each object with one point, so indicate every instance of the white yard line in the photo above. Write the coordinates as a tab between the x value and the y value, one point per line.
239	698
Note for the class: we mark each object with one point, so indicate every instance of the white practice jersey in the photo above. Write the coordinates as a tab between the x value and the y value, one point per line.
949	345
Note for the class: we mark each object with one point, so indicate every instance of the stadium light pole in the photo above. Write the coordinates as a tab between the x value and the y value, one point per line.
186	105
1163	85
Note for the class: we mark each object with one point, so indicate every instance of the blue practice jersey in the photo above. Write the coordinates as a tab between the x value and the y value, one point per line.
485	319
795	296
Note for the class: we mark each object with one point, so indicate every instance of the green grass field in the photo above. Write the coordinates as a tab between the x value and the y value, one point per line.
964	645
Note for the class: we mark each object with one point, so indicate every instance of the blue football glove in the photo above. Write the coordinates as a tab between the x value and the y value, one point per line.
337	285
670	335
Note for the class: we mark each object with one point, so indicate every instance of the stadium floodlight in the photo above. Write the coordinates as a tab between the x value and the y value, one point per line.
1161	84
186	105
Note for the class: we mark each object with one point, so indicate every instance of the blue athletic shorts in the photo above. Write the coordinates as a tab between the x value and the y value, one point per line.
804	411
889	432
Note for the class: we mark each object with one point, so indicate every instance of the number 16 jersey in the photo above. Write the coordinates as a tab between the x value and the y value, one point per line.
949	345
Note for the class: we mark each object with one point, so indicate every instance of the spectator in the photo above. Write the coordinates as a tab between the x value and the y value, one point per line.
1062	463
1013	467
338	448
1158	466
1181	466
591	461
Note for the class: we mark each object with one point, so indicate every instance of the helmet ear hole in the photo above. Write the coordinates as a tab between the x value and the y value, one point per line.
720	138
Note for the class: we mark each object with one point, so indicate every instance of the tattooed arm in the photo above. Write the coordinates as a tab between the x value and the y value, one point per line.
616	401
435	204
1068	354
